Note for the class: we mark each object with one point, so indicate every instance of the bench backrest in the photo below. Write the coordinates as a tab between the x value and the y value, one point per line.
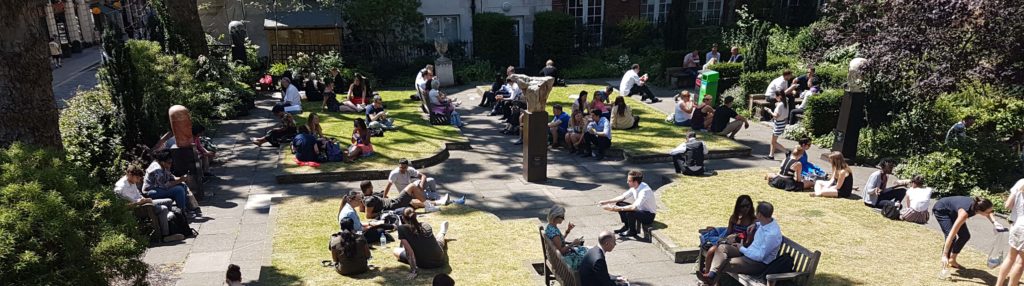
553	260
804	260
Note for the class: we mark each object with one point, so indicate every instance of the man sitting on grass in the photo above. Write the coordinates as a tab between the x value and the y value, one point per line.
558	126
735	258
597	137
641	211
419	247
405	175
721	123
688	157
377	116
285	130
410	196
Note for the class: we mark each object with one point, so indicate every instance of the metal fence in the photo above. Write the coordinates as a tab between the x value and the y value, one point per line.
280	53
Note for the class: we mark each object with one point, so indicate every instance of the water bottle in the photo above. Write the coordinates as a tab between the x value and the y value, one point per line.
383	239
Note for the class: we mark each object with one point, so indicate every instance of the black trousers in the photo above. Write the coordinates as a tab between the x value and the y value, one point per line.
681	167
890	194
631	219
792	115
644	92
487	99
945	220
591	141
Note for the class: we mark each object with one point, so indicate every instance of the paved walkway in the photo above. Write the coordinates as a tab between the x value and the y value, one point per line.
79	71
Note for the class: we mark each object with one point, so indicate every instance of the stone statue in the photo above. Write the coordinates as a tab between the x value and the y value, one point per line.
441	45
855	79
536	90
238	35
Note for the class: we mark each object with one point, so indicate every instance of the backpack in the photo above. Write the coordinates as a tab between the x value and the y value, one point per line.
179	225
890	209
334	153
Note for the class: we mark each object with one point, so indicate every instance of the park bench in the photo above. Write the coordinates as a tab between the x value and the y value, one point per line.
434	118
757	102
554	267
805	263
678	77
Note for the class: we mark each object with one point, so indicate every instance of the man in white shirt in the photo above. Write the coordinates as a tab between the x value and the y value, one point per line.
777	86
632	83
692	60
128	188
736	57
688	157
421	79
736	258
292	100
713	54
642	210
405	175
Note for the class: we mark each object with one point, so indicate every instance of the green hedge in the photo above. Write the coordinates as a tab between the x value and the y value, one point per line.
727	70
493	38
475	71
91	131
59	226
551	28
757	82
822	112
831	76
781	63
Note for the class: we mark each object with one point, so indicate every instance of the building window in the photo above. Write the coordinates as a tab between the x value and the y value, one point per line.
441	26
655	11
590	14
706	12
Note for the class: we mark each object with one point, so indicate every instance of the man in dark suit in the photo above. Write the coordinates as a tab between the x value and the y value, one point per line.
593	269
736	57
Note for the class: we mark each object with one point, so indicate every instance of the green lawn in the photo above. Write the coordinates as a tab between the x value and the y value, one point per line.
655	136
415	138
485	251
859	246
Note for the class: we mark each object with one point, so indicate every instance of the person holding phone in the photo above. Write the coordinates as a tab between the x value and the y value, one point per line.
162	184
597	137
572	251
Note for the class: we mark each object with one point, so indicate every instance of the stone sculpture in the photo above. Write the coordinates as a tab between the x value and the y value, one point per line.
535	89
855	79
237	31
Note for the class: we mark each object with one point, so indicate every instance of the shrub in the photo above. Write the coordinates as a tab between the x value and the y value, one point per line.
822	112
831	76
59	226
778	63
591	67
551	28
958	170
757	82
492	38
702	38
633	33
90	127
673	58
728	70
475	71
278	69
739	100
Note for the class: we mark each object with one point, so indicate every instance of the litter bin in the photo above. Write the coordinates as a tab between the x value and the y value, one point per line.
709	86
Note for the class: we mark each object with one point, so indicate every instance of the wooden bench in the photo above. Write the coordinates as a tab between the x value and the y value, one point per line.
757	102
433	118
553	261
805	263
682	79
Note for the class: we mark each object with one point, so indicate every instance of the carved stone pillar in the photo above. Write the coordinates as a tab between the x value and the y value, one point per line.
535	131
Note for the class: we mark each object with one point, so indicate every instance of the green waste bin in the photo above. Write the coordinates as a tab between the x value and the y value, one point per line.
709	86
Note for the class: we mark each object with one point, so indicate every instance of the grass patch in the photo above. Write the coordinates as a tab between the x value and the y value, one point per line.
850	236
415	138
486	251
655	136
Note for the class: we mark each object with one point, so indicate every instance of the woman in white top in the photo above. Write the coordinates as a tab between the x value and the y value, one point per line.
915	202
684	109
1016	256
780	116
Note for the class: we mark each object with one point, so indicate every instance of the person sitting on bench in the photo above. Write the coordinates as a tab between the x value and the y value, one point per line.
594	267
419	246
641	211
741	222
489	96
128	188
688	157
572	251
440	104
753	259
510	93
622	115
285	130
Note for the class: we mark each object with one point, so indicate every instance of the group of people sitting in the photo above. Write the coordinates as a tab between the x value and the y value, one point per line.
419	246
692	65
749	243
437	102
722	120
636	208
156	193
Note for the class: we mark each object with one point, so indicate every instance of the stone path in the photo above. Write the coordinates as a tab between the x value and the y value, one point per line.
79	71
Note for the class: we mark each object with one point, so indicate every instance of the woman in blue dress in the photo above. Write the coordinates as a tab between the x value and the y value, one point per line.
572	252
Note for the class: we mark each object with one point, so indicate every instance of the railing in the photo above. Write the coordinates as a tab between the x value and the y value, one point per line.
280	53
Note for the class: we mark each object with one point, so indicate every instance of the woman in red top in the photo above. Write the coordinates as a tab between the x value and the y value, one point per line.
361	146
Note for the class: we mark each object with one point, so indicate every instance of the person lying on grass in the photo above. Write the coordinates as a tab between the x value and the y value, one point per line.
412	196
419	247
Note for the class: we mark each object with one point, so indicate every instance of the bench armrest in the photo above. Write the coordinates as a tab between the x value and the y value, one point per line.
772	278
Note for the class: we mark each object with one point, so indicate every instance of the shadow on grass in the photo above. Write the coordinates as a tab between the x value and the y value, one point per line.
973	275
270	275
832	279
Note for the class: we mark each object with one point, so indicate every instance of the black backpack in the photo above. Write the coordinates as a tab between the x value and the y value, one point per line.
180	225
890	209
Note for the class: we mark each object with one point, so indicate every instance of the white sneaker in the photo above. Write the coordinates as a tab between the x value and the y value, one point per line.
444	200
444	228
430	207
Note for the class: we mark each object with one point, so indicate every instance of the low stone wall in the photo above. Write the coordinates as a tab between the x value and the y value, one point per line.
378	174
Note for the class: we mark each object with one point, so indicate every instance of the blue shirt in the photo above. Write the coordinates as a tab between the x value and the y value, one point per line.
767	241
303	144
602	126
563	121
350	213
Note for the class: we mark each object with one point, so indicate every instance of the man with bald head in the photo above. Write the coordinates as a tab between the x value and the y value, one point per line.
594	269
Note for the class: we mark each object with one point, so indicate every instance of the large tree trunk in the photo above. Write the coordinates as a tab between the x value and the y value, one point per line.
28	111
184	30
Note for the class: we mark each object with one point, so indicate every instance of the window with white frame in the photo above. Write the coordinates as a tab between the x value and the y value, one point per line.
589	13
706	12
655	11
446	26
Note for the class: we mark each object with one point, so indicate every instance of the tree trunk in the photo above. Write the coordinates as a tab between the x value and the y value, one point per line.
184	30
28	111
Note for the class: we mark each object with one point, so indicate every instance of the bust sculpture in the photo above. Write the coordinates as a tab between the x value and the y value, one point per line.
855	79
441	46
238	35
535	89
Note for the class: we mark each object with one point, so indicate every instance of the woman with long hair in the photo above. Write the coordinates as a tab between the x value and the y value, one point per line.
574	134
841	184
572	251
313	124
622	115
580	105
740	221
952	214
597	104
361	146
357	91
419	246
780	117
349	251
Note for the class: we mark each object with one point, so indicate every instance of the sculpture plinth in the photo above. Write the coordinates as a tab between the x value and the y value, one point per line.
851	112
535	126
